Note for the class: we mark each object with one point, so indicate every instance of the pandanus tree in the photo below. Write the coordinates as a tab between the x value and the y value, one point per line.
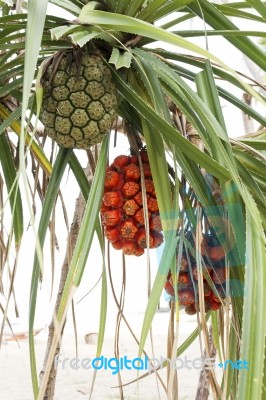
66	82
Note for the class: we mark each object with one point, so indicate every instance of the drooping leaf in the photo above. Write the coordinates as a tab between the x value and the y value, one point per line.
254	317
11	180
215	18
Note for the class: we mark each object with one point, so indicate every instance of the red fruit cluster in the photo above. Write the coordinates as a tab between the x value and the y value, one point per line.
122	207
187	283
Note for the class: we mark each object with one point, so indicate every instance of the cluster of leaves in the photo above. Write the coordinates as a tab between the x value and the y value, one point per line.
158	90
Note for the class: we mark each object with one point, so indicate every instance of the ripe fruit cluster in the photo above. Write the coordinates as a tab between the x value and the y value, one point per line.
122	206
187	283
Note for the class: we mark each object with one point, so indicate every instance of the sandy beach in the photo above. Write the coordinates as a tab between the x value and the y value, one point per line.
76	384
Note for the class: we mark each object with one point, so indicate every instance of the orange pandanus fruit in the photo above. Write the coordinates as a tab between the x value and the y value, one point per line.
186	282
122	212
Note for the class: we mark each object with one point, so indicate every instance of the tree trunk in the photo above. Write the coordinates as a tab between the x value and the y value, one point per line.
71	243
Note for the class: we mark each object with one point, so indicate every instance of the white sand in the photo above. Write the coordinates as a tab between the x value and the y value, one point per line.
75	384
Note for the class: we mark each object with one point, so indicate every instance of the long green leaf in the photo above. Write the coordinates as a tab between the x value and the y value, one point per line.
192	106
103	313
67	5
134	7
230	375
10	174
186	73
218	21
258	6
168	257
200	62
177	21
131	25
157	9
254	316
238	13
169	216
257	141
181	144
208	92
253	164
35	26
255	190
217	32
225	156
11	119
121	6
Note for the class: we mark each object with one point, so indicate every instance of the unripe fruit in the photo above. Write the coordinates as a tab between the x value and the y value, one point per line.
79	99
